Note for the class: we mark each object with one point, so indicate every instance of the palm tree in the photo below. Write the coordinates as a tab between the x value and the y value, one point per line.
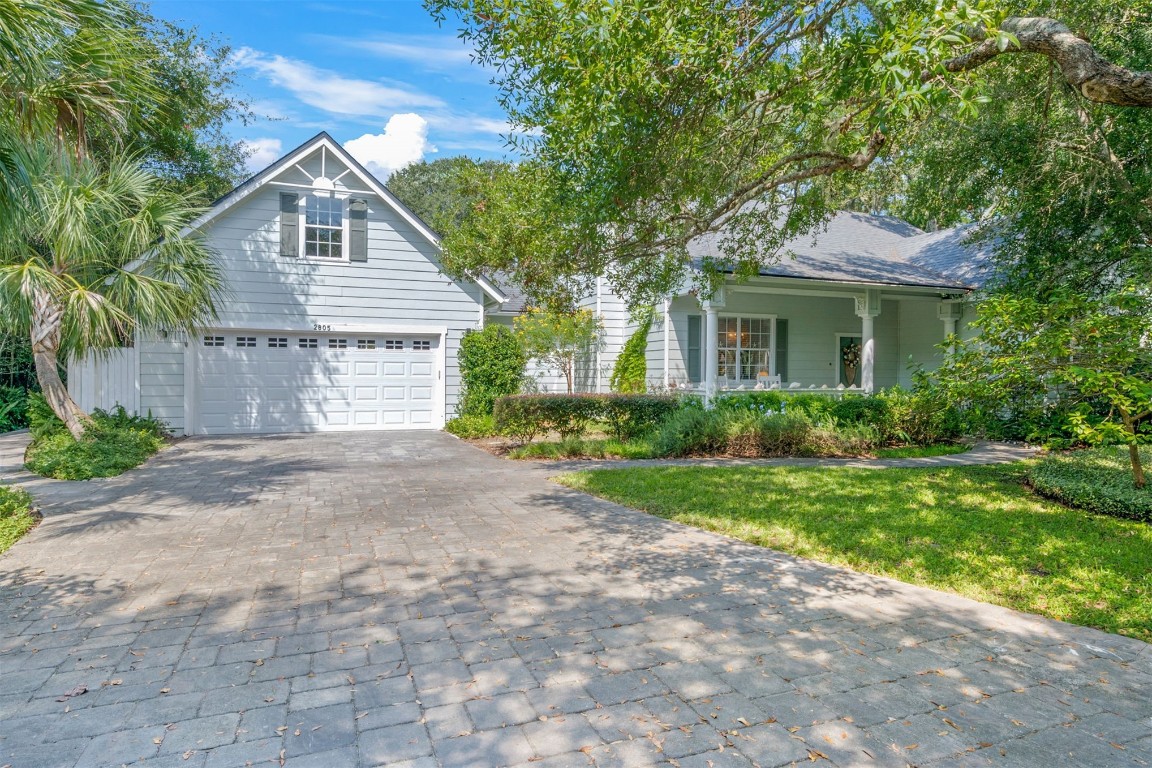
93	255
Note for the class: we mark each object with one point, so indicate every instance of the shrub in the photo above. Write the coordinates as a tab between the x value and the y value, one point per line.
630	373
16	517
792	434
104	451
690	432
115	441
492	364
13	408
630	416
525	416
1096	480
816	407
857	409
471	427
921	417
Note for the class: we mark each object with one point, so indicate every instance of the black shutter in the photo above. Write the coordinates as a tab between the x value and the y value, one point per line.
357	230
782	351
694	357
289	224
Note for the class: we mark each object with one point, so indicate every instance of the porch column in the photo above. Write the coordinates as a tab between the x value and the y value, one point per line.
711	349
950	312
867	308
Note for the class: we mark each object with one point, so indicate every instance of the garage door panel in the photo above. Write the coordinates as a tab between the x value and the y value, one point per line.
389	383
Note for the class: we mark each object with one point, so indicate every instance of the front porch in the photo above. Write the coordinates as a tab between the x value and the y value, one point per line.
829	339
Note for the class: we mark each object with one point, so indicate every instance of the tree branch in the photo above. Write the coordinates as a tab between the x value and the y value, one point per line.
1094	77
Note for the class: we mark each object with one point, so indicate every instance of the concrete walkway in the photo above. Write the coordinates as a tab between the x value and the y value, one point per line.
405	599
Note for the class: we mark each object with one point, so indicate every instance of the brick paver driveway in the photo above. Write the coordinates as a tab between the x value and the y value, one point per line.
373	599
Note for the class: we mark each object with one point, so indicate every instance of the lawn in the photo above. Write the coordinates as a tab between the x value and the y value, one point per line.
16	517
974	531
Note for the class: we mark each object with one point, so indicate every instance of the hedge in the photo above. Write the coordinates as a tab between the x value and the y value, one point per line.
523	417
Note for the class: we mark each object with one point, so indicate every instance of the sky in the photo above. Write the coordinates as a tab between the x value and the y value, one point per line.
380	76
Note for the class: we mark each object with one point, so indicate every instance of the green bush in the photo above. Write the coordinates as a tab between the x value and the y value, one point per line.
630	416
13	408
630	373
492	364
1097	480
104	451
42	420
921	417
816	407
471	427
691	432
860	409
16	517
115	441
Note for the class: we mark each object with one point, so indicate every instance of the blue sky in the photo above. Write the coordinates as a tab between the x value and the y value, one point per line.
379	75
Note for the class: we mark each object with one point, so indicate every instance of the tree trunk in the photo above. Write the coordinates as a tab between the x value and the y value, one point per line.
569	375
46	317
1137	467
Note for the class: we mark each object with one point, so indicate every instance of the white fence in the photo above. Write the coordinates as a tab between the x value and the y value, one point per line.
107	380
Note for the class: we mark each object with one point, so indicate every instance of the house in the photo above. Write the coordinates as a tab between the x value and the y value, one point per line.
338	316
867	289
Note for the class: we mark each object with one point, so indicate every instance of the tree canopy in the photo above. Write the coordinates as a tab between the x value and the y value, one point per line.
659	121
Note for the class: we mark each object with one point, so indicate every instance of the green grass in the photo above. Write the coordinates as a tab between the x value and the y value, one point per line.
974	531
921	451
16	517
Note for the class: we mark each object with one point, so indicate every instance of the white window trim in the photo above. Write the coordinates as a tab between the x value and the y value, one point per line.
771	346
302	205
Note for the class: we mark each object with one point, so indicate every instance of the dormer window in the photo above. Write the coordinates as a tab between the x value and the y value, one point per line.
323	227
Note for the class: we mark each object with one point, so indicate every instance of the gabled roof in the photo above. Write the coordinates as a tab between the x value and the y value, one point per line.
371	183
882	250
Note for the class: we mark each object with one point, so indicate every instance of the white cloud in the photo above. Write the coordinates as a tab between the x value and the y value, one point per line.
264	153
403	142
427	51
327	90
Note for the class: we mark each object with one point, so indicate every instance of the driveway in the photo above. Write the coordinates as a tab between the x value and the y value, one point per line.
404	599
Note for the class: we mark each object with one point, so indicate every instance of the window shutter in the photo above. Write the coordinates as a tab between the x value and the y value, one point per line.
695	328
782	350
289	224
357	230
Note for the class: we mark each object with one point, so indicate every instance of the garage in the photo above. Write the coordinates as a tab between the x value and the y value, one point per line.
282	381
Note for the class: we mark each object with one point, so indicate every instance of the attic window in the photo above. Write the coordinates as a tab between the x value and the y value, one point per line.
323	227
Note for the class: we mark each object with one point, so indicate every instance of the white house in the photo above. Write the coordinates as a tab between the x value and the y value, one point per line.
339	318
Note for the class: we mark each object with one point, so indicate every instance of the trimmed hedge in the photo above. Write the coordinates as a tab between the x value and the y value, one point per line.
523	417
471	426
1096	480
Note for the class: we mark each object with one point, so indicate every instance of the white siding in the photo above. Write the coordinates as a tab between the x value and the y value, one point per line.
162	381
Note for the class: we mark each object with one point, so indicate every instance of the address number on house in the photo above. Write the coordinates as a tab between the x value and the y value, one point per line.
319	327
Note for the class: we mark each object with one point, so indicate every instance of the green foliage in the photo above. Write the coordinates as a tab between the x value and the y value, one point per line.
445	191
923	416
13	408
630	416
42	420
16	517
691	432
972	531
472	427
492	364
1096	480
575	448
115	442
560	340
630	373
627	416
1070	357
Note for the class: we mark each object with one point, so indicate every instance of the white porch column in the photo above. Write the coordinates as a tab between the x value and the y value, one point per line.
950	312
711	350
867	308
667	337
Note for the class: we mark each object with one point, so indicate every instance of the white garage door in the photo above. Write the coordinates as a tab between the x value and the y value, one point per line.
290	382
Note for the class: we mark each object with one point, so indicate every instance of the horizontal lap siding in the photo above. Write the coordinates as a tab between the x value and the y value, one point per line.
400	284
162	381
